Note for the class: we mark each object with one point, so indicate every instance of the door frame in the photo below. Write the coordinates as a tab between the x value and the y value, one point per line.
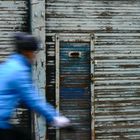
75	38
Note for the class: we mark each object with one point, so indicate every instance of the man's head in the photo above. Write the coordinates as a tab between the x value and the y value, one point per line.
26	44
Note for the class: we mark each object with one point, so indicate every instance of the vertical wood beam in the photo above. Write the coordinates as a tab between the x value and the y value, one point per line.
39	70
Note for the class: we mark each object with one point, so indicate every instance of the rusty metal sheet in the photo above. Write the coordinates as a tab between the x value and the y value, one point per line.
83	16
115	24
117	82
13	17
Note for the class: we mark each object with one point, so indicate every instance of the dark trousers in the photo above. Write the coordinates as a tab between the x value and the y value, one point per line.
14	134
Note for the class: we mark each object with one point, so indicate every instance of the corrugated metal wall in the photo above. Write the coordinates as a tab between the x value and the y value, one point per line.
92	16
13	17
117	85
115	24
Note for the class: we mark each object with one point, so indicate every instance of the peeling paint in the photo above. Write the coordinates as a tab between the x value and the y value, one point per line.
13	17
117	51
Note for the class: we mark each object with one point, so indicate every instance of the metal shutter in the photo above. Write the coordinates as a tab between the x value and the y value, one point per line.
115	24
13	17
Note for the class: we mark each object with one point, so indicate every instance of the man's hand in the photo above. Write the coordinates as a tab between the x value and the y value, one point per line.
61	122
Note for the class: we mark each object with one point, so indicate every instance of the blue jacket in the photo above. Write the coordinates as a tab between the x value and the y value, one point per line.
16	85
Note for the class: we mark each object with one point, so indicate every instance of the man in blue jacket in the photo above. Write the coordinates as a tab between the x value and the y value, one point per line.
16	85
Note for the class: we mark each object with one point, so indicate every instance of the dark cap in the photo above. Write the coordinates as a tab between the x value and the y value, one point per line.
24	41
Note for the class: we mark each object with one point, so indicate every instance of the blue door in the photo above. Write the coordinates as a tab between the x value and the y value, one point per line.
75	95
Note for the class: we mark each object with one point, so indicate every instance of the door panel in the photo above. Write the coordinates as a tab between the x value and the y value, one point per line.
75	87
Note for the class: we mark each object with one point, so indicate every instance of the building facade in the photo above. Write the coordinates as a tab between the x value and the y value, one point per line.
89	63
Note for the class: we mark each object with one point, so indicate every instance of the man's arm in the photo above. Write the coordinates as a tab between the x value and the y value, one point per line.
30	97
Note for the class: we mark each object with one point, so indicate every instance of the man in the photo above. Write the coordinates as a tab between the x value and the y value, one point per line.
16	85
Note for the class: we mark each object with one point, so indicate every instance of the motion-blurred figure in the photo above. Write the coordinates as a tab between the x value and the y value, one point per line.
16	85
